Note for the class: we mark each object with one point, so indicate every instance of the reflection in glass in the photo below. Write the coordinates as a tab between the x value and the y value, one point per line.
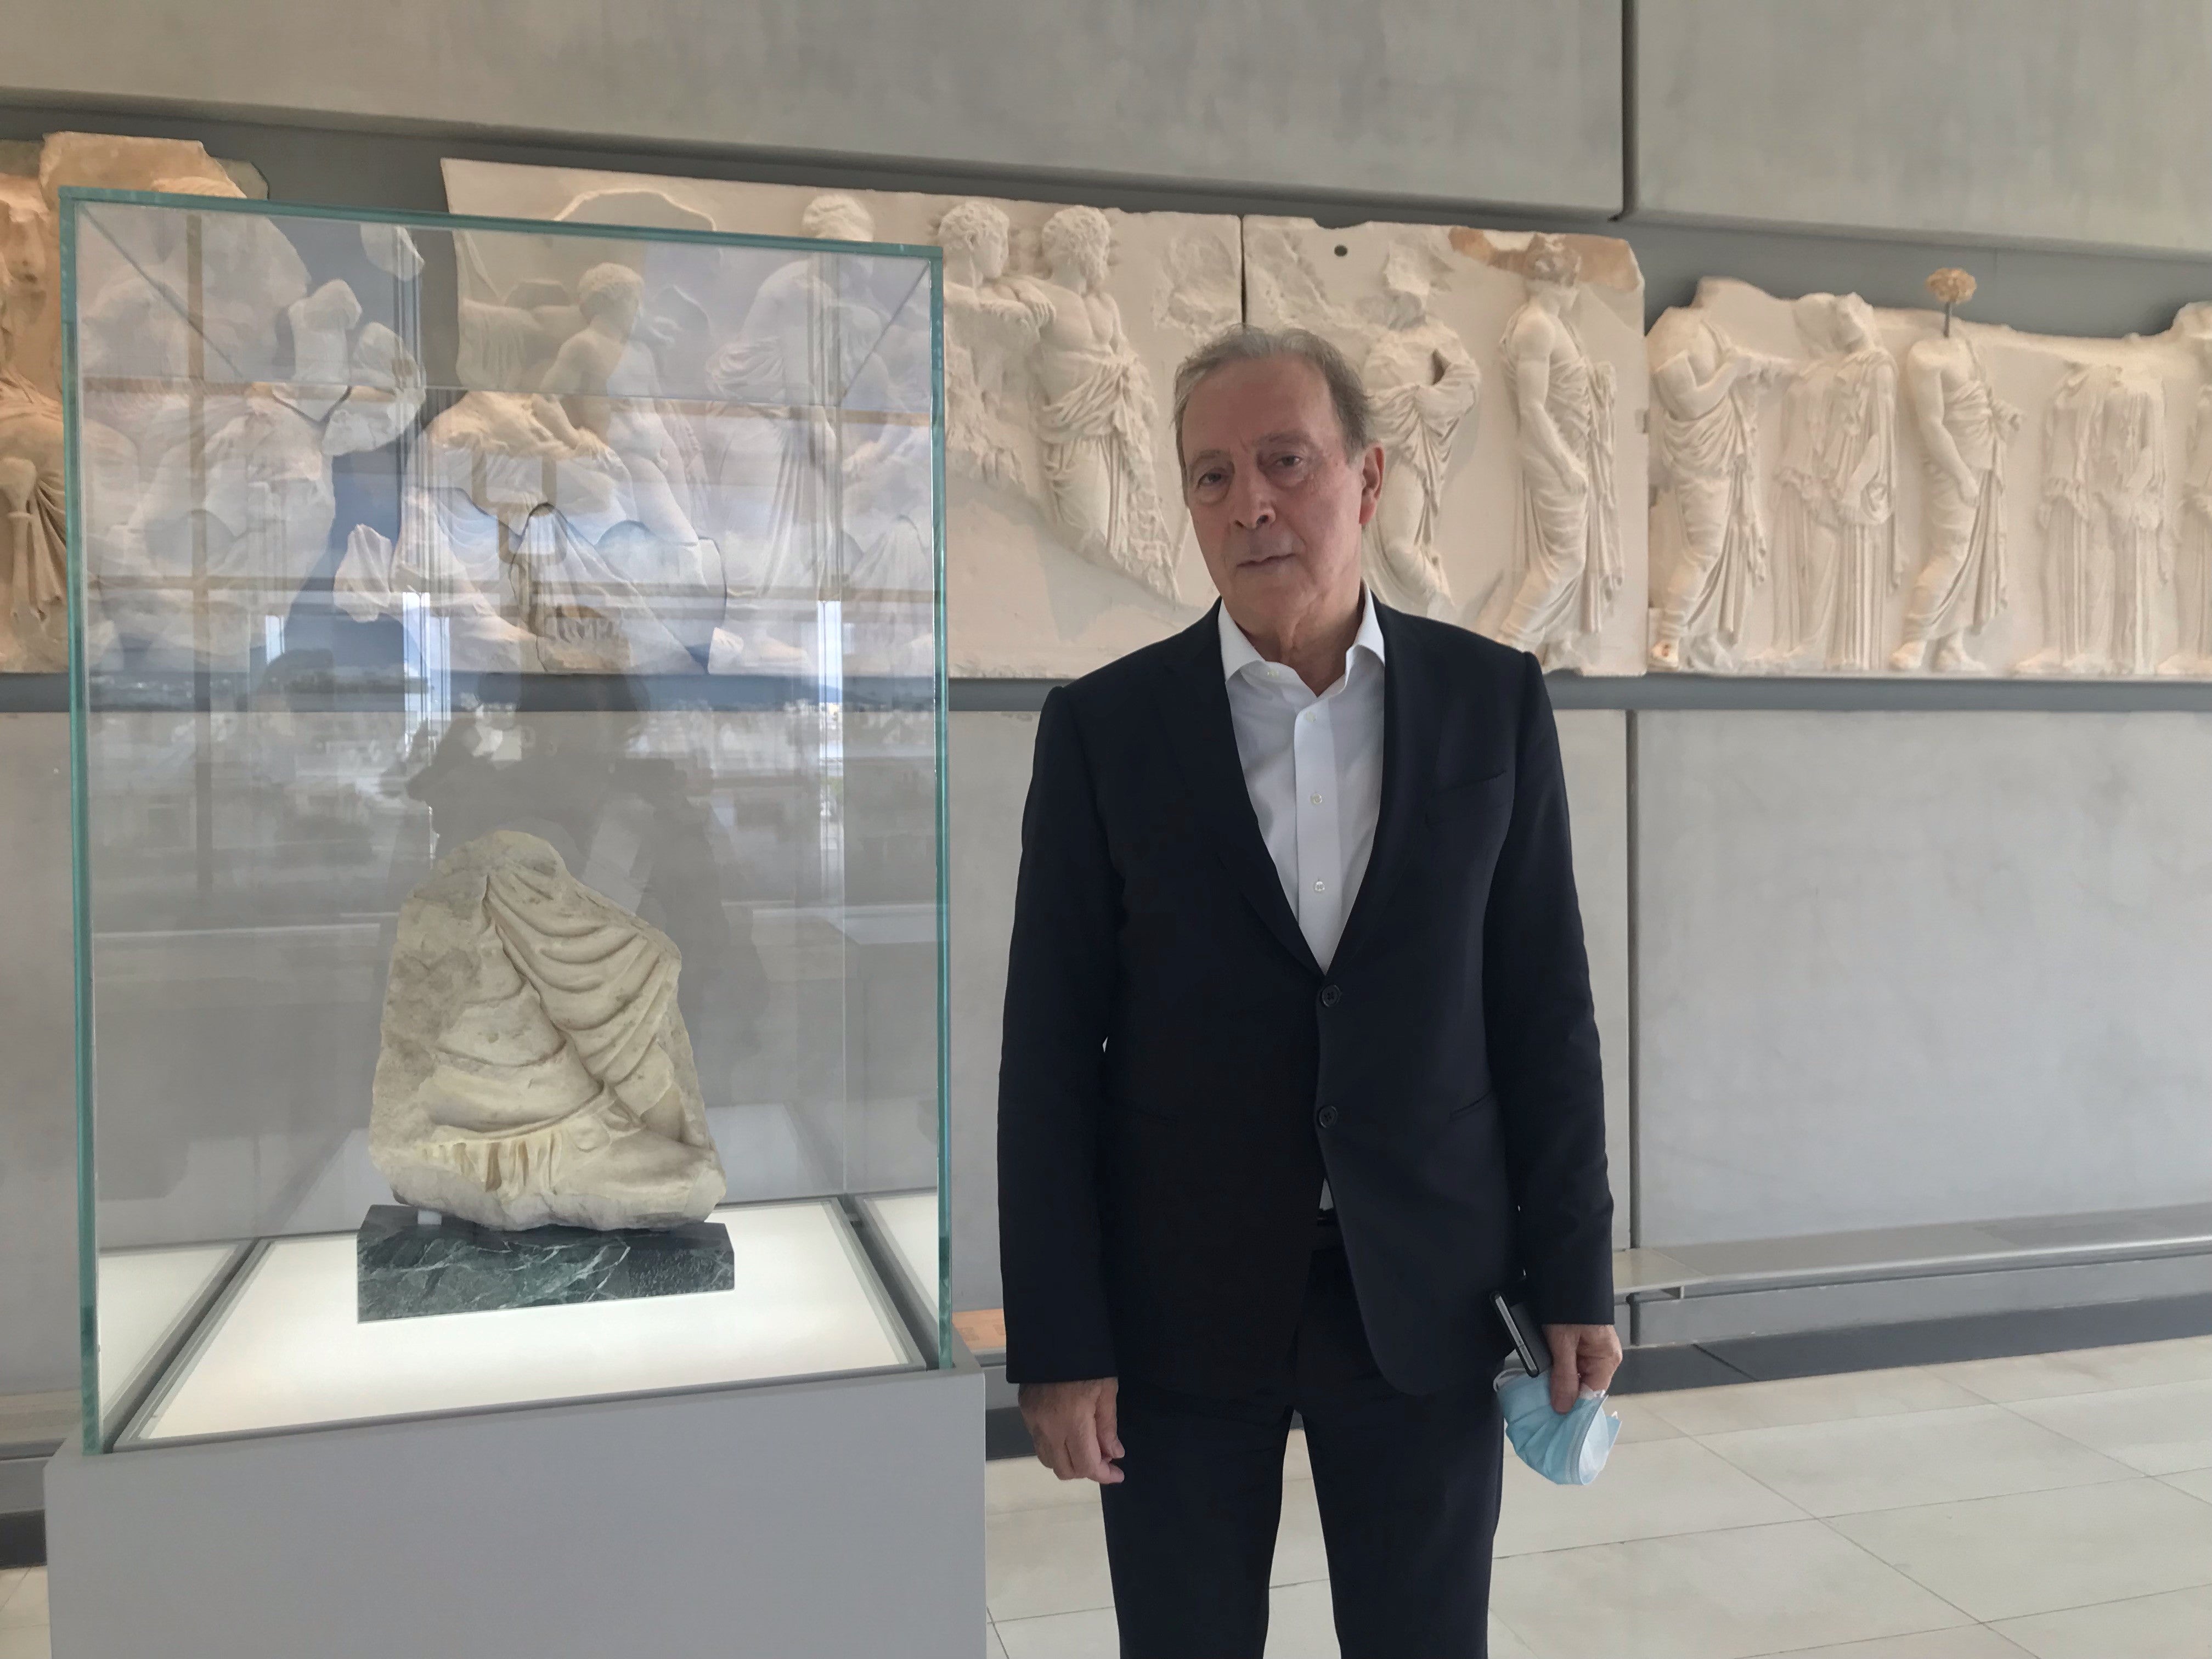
395	536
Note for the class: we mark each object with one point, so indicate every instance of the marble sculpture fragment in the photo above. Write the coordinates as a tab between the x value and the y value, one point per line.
1944	496
534	1067
1506	374
1567	529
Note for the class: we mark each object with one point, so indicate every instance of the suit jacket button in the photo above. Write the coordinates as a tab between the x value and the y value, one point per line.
1327	1117
1330	995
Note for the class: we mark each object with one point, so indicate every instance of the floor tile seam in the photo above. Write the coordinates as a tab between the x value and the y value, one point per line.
2127	1471
1892	1567
2090	1391
2168	1480
1659	1538
1779	1496
2033	1612
1825	1422
998	1617
2125	1478
2049	1428
1506	1626
2101	1394
2122	1479
1876	1417
994	1511
1979	1624
1085	1503
1978	1400
2091	1607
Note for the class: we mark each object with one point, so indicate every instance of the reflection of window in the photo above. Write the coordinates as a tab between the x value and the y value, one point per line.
429	668
830	702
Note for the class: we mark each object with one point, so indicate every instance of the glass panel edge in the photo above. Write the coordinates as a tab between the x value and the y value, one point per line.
415	218
88	1234
944	1352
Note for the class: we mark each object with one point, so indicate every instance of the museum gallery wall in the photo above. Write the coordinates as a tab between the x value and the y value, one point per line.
1807	485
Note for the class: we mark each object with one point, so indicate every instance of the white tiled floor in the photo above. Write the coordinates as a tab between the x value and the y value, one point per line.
23	1614
2059	1506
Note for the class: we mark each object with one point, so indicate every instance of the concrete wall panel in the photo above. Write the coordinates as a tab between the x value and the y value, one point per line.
1897	968
1489	100
1996	117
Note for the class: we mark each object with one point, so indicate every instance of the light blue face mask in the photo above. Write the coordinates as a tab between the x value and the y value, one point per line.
1567	1449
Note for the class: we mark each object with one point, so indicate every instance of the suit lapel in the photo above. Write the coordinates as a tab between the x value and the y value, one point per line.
1193	700
1408	740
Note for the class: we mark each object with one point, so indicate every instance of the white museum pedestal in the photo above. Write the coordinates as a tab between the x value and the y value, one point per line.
843	1517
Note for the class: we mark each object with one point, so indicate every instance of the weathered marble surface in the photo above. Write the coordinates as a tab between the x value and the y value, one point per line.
534	1067
411	1269
1440	321
2061	526
33	513
1066	545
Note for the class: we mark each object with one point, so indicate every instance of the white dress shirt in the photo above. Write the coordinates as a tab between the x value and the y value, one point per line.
1313	766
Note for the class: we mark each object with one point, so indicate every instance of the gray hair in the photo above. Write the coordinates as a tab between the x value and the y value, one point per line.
1246	344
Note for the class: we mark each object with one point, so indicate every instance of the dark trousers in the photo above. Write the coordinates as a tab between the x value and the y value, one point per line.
1408	1485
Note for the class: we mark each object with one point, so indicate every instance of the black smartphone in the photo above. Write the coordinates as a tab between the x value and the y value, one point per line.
1529	1343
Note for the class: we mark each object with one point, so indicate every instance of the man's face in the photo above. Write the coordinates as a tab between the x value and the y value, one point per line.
1277	507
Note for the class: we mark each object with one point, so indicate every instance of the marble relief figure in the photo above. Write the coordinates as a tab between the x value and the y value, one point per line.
1568	539
33	532
1488	503
534	1067
2077	592
1063	542
1964	428
843	501
1836	534
2195	529
988	326
548	516
1705	449
226	528
2107	559
1097	417
1422	388
2130	490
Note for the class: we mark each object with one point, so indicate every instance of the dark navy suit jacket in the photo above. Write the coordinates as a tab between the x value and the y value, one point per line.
1178	1073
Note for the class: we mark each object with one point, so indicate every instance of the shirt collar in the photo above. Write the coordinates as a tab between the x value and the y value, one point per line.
1237	652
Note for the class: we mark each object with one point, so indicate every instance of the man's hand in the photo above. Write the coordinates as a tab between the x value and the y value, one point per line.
1582	1357
1071	1426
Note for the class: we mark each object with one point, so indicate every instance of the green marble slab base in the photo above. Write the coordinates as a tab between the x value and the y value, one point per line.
410	1267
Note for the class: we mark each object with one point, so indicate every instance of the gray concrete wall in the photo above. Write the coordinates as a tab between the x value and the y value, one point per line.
1996	118
1503	100
38	1066
1908	968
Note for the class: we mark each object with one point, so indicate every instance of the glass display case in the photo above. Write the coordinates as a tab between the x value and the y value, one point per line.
508	708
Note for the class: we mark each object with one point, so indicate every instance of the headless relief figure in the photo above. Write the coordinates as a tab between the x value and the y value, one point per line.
534	1067
1836	539
1964	427
1423	387
1705	436
1569	540
2195	656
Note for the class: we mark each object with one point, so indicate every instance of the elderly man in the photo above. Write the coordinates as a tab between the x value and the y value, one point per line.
1300	1066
